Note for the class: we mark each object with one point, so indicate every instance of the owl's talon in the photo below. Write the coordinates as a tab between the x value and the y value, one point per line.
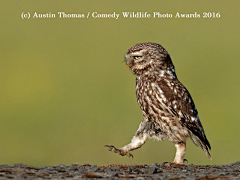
129	155
119	151
111	148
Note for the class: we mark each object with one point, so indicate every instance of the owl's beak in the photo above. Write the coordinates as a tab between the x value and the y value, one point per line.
129	65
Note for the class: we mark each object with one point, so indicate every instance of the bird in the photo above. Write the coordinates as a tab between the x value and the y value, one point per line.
168	109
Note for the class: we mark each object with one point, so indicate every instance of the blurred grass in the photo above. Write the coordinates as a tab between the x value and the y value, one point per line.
65	91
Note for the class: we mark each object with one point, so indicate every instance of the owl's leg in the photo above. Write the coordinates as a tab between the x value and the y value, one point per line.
180	151
137	141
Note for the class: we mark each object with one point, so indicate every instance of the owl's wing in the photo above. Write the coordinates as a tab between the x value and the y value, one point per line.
179	101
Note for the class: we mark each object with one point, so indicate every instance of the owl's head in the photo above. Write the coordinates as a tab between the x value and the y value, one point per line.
145	58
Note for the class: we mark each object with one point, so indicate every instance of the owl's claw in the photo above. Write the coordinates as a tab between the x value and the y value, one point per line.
119	151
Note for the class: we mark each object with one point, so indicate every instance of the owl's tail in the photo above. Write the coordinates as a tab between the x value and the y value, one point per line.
204	144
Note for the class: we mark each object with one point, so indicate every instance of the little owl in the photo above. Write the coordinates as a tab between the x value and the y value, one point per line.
167	106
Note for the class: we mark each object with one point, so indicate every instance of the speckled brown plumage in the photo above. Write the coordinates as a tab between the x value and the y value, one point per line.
168	109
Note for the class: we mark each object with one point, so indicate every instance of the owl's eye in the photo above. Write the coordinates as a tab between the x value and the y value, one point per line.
137	57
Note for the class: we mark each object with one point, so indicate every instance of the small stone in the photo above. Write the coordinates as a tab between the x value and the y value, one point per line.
121	175
116	168
111	172
139	178
92	169
95	175
166	164
150	170
221	174
130	176
156	165
129	169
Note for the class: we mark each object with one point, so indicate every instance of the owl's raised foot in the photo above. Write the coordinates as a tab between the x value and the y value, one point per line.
119	151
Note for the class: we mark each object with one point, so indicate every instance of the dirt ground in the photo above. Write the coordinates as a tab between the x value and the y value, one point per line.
123	171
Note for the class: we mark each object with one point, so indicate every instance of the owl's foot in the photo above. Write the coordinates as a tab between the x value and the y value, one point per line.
119	151
180	162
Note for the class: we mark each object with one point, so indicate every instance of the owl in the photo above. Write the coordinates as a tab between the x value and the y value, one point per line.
168	108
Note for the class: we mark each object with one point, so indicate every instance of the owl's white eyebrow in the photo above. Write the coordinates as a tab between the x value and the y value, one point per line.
139	53
133	54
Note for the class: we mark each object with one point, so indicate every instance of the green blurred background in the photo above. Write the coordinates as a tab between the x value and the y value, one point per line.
65	91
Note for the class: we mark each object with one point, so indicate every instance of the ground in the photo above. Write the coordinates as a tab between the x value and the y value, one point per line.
123	171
